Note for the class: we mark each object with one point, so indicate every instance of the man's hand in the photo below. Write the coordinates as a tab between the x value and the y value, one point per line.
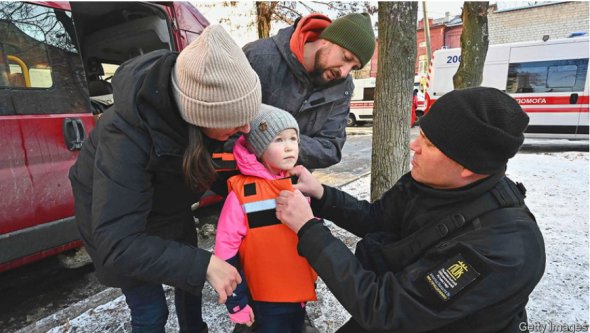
293	209
223	277
306	182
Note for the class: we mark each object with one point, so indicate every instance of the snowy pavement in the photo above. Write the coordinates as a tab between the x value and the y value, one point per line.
557	184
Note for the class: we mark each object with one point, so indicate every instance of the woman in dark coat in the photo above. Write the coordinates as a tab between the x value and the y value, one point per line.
147	161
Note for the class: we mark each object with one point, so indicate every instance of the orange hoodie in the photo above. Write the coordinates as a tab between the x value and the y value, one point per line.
308	30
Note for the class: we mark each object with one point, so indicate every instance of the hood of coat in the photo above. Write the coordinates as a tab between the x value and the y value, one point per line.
249	165
282	40
143	97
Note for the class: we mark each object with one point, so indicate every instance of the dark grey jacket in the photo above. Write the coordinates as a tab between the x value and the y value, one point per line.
321	112
132	202
475	280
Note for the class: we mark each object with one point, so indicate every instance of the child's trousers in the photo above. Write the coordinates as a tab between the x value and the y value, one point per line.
278	317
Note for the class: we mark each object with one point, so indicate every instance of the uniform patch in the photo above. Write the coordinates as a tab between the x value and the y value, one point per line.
451	277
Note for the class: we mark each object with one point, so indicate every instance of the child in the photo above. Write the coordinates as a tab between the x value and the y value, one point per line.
248	232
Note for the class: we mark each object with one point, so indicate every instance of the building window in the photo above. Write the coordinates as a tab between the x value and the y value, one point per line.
423	64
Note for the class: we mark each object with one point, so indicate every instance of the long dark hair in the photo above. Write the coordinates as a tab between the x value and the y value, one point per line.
196	164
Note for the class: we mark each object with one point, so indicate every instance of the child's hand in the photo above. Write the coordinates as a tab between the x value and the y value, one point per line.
244	316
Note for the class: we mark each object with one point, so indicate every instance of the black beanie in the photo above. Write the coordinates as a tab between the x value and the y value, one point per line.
479	128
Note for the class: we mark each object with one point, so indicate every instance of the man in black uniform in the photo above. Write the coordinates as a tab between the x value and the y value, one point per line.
451	247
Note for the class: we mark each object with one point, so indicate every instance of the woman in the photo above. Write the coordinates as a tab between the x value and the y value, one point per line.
144	164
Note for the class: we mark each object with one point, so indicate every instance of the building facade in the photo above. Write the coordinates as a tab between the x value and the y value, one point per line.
552	19
445	33
549	19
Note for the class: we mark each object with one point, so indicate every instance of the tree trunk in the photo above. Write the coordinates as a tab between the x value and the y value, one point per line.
474	45
264	10
393	96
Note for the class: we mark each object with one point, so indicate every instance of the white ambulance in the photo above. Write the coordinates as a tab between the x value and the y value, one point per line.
361	104
548	79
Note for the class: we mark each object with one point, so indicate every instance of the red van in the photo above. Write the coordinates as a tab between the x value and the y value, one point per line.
56	59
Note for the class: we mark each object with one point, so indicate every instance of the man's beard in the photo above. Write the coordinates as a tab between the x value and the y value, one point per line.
318	80
317	77
320	67
318	70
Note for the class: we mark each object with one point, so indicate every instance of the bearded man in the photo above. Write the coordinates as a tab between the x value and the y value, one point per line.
305	69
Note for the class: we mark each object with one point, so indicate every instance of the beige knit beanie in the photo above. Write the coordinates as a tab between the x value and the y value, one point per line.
213	82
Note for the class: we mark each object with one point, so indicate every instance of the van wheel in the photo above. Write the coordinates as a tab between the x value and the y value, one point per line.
351	121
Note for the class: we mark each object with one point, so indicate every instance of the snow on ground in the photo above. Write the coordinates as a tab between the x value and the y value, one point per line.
557	195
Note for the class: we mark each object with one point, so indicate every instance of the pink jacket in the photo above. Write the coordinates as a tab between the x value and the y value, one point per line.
231	228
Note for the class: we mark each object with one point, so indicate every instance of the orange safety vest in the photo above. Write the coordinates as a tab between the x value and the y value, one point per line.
223	162
274	270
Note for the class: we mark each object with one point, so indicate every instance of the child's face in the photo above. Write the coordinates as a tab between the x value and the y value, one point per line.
282	152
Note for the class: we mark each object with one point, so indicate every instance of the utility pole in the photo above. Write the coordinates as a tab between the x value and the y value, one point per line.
427	32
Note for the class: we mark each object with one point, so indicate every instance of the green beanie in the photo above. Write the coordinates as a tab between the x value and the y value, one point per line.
353	32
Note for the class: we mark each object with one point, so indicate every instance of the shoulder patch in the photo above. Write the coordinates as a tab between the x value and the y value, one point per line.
448	279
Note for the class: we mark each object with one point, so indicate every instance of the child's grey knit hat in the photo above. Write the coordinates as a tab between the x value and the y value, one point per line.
266	126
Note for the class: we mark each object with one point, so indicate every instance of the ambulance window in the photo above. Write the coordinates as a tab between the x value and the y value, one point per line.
547	76
562	76
369	94
44	69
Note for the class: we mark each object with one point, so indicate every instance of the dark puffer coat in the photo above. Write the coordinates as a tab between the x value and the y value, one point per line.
132	202
477	279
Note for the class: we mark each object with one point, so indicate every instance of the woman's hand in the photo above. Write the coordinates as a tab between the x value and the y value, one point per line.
306	182
223	277
293	210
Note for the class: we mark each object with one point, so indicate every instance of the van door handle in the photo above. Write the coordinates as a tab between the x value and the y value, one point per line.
74	133
574	98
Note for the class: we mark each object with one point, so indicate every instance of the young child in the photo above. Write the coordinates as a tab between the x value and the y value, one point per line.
248	232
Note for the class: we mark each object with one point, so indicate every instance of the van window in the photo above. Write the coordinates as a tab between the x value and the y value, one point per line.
547	76
43	69
369	94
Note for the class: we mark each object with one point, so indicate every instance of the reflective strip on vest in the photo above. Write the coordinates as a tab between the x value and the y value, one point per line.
258	206
268	253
